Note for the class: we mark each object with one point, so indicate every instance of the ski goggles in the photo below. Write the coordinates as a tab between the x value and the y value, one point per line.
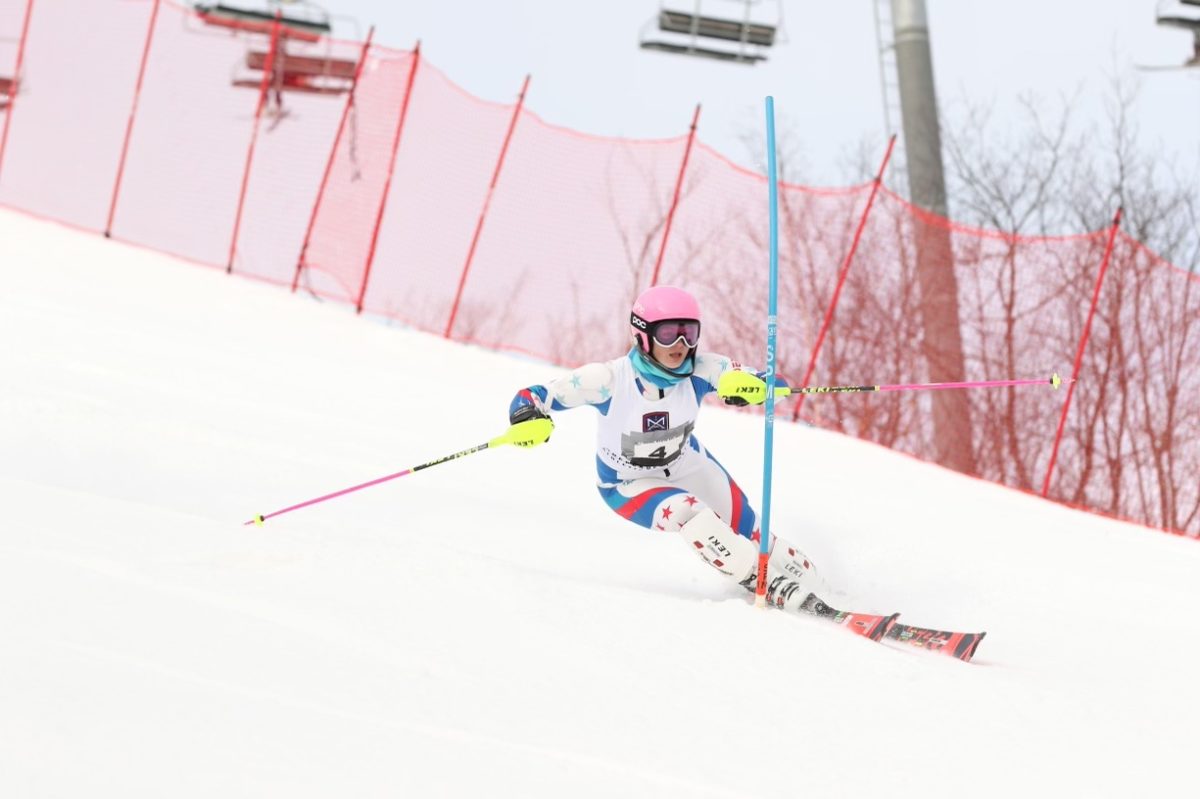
669	331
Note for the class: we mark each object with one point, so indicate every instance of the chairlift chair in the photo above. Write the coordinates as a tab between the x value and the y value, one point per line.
687	27
297	73
1175	15
6	91
1175	18
729	30
309	25
304	24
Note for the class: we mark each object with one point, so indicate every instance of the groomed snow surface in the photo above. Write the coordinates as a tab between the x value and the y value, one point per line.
487	627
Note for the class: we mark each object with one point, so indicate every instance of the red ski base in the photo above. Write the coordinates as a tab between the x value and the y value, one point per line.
959	645
879	628
867	625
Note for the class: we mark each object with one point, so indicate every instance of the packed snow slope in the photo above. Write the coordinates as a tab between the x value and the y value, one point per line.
488	627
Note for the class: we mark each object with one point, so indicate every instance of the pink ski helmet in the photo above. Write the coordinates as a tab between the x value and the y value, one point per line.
668	308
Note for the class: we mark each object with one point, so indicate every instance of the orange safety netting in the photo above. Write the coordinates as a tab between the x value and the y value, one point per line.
402	194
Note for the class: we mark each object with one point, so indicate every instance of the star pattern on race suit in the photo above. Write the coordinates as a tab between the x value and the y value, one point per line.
690	501
667	512
576	380
604	392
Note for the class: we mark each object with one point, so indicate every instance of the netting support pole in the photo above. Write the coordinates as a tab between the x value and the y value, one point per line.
137	94
837	291
387	184
337	140
1083	340
263	90
16	80
662	247
462	280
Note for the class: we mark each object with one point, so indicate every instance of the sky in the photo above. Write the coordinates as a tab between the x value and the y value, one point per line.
588	72
487	627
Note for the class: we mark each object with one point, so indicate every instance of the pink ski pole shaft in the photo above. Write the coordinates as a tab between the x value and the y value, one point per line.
263	517
1054	381
527	433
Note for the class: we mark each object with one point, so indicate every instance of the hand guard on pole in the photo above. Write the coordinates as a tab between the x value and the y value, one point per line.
748	388
529	427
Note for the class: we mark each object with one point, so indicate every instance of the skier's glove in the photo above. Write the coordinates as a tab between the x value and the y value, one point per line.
526	430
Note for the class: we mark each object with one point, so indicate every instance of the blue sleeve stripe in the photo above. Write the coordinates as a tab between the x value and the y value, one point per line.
606	473
702	387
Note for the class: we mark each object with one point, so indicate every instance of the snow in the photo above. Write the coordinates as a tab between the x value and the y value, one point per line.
488	627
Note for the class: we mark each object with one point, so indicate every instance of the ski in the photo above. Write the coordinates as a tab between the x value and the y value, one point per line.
867	625
955	644
881	628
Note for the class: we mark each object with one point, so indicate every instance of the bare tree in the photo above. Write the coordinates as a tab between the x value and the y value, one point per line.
1130	447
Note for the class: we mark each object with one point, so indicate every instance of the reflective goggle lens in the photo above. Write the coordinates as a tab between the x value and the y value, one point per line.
667	333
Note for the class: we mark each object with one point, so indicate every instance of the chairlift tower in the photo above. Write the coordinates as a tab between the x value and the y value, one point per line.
937	283
918	105
889	87
685	29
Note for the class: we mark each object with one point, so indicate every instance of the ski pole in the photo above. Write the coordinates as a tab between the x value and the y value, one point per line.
1054	381
520	433
751	388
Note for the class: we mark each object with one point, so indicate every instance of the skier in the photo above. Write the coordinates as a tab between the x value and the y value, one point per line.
652	468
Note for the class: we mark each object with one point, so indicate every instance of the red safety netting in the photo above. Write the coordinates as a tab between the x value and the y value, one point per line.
12	21
190	145
569	237
719	243
1130	447
400	193
338	251
444	163
68	119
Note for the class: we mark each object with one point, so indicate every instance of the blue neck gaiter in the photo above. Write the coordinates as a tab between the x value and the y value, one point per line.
653	373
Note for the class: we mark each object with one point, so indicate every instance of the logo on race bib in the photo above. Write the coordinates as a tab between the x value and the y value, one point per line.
659	420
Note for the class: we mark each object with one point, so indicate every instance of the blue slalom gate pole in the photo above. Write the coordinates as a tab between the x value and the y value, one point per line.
764	545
